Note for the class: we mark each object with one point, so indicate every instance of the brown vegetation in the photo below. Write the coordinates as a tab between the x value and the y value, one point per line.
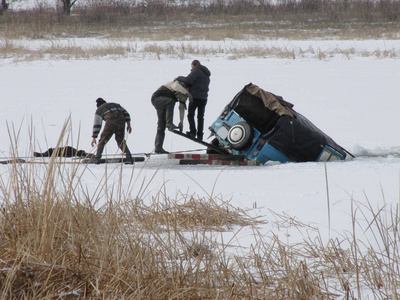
61	239
58	240
215	20
121	25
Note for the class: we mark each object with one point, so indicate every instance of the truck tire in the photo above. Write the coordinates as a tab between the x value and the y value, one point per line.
240	135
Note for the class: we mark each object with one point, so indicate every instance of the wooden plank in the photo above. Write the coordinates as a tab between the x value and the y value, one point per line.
113	160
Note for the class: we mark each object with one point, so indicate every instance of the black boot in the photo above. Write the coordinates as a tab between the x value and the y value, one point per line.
96	159
191	134
129	158
159	141
160	151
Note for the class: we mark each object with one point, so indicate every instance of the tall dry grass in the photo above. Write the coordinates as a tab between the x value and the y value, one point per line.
210	19
63	236
118	49
121	24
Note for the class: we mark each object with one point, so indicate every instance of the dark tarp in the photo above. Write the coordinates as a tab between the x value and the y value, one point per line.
283	128
259	108
299	139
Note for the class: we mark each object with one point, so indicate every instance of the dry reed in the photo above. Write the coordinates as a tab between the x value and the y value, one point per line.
213	21
120	49
62	239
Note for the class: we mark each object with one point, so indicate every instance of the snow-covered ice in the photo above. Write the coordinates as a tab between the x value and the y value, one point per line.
354	101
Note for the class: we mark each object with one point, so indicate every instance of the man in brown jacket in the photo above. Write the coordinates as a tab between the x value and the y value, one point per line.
115	117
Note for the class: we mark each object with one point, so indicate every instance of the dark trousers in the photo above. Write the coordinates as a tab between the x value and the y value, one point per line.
165	113
115	124
200	105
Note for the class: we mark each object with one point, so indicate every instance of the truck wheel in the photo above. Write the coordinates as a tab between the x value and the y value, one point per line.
240	135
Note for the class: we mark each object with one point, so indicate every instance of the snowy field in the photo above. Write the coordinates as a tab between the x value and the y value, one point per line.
355	101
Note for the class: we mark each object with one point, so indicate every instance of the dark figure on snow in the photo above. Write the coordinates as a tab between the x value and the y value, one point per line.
164	100
198	81
66	151
115	117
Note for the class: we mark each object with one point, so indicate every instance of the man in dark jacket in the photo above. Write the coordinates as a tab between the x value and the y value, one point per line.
198	81
115	117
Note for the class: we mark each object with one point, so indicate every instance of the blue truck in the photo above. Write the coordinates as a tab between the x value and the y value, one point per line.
262	126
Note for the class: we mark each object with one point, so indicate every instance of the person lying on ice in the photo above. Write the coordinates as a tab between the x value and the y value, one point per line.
66	151
163	100
115	117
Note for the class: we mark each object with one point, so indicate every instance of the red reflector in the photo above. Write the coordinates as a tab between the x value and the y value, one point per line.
196	156
223	115
261	144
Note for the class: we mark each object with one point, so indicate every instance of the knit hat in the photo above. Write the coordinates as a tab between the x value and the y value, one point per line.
100	101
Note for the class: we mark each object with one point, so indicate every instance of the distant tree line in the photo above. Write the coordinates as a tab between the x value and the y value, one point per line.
331	10
67	4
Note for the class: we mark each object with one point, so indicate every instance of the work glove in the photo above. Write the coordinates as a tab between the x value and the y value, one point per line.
180	126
